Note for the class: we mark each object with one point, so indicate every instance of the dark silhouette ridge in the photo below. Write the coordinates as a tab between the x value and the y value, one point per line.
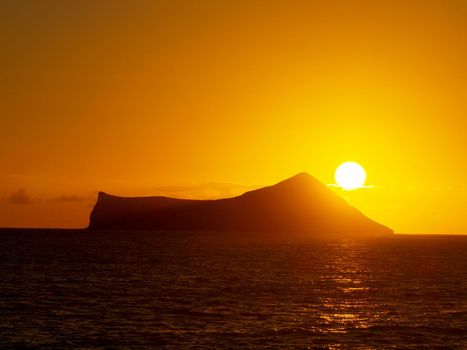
300	204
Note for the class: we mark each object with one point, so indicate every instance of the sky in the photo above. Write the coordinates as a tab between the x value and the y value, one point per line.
206	99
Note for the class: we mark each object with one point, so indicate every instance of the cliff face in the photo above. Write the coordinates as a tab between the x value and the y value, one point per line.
300	204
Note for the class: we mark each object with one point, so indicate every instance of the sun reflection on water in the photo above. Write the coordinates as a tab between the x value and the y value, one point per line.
345	305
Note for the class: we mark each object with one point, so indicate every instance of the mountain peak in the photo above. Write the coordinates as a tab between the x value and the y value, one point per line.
302	177
300	182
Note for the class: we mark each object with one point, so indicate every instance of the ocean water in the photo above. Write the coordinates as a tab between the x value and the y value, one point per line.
122	290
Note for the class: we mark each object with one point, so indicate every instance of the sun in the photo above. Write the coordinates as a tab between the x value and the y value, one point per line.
350	175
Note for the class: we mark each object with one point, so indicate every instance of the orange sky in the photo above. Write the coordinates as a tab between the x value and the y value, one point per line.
211	98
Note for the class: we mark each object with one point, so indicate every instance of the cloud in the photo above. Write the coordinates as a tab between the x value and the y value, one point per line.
73	198
70	198
20	197
203	191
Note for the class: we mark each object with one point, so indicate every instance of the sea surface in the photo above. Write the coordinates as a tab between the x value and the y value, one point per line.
122	290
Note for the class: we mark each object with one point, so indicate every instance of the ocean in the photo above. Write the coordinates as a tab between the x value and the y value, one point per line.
142	290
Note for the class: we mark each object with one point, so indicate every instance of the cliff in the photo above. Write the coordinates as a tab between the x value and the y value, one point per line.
300	204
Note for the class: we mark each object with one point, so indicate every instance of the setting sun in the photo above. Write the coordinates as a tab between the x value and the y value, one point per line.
350	176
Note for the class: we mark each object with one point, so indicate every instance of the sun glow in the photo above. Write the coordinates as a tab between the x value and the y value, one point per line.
350	176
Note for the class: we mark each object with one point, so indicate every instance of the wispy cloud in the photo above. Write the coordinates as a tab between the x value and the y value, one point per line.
205	190
70	198
20	197
358	188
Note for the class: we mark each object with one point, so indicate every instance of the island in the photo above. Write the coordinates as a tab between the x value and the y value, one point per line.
300	204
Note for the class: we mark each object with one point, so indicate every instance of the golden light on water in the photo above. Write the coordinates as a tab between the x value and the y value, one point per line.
350	176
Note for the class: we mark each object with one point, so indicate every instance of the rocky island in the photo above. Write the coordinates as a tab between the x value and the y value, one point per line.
300	204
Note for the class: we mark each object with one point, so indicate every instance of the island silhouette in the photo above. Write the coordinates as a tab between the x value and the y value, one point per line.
300	204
